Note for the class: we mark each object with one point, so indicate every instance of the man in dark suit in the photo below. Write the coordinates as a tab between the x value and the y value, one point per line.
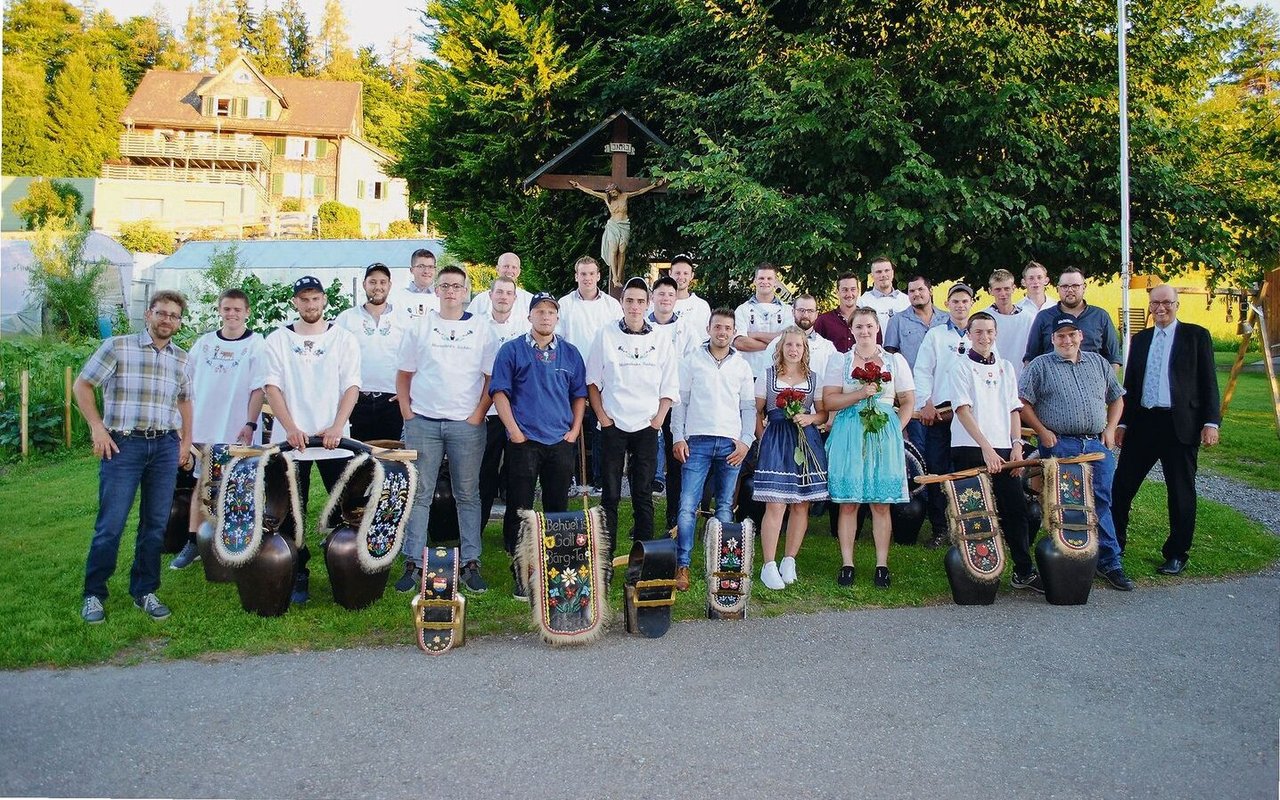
1170	409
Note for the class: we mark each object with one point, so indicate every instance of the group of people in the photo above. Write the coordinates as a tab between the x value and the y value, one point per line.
513	389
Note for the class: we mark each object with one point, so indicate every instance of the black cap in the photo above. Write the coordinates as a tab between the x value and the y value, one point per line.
960	287
1065	322
377	266
543	297
305	283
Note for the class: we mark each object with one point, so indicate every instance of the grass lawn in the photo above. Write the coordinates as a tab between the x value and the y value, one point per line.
1249	449
47	510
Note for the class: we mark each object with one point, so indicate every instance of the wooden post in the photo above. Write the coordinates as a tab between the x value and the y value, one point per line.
26	386
66	403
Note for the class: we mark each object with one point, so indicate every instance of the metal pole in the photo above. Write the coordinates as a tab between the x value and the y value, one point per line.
1124	183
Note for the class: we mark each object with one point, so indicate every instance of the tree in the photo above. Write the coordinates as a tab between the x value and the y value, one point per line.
85	112
66	285
44	31
144	236
247	26
197	49
297	38
144	43
224	33
27	149
50	205
270	46
333	43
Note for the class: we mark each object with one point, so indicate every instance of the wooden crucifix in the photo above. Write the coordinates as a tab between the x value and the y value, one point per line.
614	189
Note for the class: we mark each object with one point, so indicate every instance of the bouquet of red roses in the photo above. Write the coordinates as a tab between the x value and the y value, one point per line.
791	401
872	374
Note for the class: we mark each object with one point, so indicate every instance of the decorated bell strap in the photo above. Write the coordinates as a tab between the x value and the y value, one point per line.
439	610
1067	501
916	466
649	590
258	493
373	497
213	460
564	556
974	526
729	564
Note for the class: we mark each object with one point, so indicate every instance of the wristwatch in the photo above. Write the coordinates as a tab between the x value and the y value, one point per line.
251	425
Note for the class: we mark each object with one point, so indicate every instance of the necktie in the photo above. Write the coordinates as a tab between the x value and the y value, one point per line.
1154	379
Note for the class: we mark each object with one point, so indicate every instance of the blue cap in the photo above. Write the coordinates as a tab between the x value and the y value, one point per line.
1065	322
543	297
305	283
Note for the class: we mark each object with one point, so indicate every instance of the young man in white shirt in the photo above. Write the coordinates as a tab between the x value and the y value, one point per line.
760	320
443	389
226	393
1035	277
508	267
805	310
419	297
695	311
631	384
379	327
986	432
941	350
663	317
885	299
1013	320
311	380
505	326
713	426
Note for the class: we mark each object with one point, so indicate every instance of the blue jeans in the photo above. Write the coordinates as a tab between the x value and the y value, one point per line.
1103	472
464	444
707	456
149	464
937	456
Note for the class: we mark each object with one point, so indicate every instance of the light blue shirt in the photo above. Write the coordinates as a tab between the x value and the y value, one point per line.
1155	382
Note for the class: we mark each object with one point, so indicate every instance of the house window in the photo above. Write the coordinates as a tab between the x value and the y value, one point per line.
300	148
379	190
222	106
257	108
298	185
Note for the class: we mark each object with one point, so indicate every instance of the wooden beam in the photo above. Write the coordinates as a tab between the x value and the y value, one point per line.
596	182
620	136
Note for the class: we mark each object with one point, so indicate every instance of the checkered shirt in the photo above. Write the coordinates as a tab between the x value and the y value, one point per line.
141	386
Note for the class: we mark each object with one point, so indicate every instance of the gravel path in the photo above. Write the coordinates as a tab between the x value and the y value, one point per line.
1259	505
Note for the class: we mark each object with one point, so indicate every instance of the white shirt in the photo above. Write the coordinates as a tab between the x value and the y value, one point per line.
991	392
820	352
223	375
724	403
676	329
886	305
1012	332
482	304
449	359
695	313
379	341
313	372
581	320
502	333
756	317
634	372
414	303
1031	306
941	348
840	373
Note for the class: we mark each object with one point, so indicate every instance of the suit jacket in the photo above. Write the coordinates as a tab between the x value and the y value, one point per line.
1193	382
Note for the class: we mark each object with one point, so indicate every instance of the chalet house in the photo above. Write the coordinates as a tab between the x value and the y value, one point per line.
225	150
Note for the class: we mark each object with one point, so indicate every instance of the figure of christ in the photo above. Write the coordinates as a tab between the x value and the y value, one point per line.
617	231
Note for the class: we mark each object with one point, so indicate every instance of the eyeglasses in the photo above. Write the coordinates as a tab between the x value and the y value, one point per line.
455	287
1162	303
1071	286
166	315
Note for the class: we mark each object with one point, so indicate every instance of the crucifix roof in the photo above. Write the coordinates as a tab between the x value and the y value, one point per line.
547	168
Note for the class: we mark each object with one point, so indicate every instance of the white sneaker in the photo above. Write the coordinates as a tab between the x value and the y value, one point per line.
788	570
769	576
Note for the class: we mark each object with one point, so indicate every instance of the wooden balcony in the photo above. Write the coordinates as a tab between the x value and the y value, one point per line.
223	177
207	151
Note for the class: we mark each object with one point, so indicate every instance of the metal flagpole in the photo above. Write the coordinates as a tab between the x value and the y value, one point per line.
1125	272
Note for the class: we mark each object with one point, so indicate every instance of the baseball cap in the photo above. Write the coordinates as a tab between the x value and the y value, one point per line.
1065	322
305	283
377	266
543	297
959	287
636	283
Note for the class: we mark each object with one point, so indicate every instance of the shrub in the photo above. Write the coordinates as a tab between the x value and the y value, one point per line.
65	285
402	229
49	204
338	221
290	204
144	236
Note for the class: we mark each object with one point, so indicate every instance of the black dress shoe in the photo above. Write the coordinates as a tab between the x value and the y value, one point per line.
1173	566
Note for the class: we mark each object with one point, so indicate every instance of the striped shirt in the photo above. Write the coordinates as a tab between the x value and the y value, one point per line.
141	386
1070	397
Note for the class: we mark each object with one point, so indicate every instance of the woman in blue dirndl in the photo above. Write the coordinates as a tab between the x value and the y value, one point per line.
792	467
865	465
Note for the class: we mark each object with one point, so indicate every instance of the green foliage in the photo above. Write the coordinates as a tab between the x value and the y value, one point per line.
84	110
222	273
26	146
45	360
65	285
145	236
297	38
290	204
401	229
49	204
338	221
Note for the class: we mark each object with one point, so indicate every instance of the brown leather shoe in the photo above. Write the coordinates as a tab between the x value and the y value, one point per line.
682	579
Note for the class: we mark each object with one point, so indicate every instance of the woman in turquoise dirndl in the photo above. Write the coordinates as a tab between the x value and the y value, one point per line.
866	461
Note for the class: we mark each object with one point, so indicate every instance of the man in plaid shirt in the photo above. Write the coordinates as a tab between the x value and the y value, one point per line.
142	436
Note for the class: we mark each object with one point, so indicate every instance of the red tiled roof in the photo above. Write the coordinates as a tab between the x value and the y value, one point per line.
316	107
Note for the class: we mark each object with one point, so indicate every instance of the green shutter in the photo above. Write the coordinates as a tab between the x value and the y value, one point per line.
278	146
271	109
277	184
206	106
319	186
242	107
322	148
359	190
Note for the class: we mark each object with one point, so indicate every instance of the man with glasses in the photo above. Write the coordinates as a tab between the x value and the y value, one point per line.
140	439
1097	330
1170	410
836	325
378	327
443	388
805	309
419	297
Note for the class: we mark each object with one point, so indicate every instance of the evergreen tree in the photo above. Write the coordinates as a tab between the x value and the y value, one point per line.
334	45
247	25
270	45
224	34
84	111
297	38
43	31
197	48
143	45
26	145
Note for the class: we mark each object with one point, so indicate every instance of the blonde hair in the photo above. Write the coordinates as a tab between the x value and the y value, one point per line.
780	360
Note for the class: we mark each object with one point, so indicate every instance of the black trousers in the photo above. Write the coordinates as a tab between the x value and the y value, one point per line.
937	456
492	466
1148	439
674	471
330	472
376	416
1011	505
528	463
639	451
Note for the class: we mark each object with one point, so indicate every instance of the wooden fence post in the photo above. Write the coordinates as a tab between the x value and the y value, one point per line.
66	406
26	381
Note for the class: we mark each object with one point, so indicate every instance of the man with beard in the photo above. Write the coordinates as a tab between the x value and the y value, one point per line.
379	327
1097	331
836	325
886	300
140	439
906	333
505	326
312	381
419	298
693	310
508	267
805	309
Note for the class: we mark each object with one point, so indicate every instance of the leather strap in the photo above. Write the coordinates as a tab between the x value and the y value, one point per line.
650	588
439	610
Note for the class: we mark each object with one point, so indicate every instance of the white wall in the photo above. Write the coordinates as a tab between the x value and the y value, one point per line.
358	163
